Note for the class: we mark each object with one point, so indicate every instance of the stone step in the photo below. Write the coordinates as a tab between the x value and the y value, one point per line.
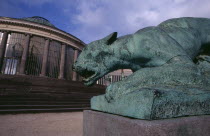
45	99
12	102
42	106
41	81
15	111
50	96
38	89
37	94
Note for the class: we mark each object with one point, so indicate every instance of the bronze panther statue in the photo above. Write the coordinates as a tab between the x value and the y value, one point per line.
174	53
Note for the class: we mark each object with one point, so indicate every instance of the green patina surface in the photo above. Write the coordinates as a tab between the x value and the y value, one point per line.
171	65
157	102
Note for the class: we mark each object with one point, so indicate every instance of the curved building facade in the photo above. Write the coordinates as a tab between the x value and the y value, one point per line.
34	46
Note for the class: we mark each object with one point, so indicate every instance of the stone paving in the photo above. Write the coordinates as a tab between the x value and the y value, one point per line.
42	124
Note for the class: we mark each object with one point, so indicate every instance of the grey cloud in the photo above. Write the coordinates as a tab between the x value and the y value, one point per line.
128	16
94	19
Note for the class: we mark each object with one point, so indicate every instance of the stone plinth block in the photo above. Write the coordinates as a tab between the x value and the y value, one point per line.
104	124
157	103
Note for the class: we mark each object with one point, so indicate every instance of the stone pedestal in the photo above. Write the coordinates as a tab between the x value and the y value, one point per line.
104	124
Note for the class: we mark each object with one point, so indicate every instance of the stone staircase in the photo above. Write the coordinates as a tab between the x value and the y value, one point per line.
41	94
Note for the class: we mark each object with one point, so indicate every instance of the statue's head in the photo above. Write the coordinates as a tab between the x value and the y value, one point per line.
96	60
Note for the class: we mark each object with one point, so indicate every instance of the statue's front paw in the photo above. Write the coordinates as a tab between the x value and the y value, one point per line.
111	91
108	94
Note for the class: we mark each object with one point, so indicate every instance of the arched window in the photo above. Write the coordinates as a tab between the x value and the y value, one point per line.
17	50
35	55
33	62
12	59
53	61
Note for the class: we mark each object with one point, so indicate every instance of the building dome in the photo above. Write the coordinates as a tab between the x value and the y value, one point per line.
33	46
39	20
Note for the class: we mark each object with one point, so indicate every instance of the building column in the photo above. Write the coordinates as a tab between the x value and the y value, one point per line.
45	55
25	54
3	47
62	61
74	74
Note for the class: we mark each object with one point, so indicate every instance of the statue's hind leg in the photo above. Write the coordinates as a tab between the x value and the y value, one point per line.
176	72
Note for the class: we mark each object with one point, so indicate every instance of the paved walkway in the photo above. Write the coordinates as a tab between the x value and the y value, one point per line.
42	124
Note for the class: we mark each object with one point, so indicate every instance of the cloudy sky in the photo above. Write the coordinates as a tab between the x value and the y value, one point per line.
93	19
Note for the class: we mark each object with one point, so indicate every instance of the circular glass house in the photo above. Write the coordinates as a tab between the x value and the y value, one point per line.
34	46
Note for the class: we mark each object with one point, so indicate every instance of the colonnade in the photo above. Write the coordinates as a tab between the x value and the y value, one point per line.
44	59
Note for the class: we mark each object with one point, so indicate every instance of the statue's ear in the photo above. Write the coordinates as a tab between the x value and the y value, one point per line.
110	38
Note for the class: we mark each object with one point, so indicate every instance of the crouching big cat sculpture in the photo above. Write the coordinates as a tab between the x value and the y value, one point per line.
171	65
